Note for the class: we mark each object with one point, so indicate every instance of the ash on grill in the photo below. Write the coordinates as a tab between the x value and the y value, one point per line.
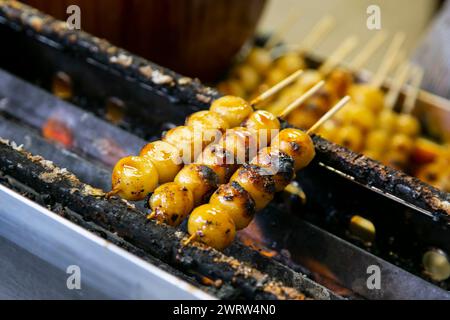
117	216
100	72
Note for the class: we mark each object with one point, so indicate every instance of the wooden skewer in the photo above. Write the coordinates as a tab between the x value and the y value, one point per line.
190	239
300	100
327	116
361	59
399	80
276	88
417	77
401	57
338	55
388	60
319	31
277	36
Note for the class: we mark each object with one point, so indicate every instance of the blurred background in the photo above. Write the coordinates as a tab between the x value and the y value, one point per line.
410	16
177	33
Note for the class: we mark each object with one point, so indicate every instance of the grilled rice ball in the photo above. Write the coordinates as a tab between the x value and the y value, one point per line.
308	80
408	125
260	59
277	164
187	140
218	159
350	137
401	143
200	180
171	203
274	76
247	76
262	123
133	178
233	200
427	151
297	144
308	113
212	226
367	96
328	130
234	110
360	116
241	143
377	140
231	87
166	159
436	174
387	120
257	183
290	62
207	120
304	116
327	96
341	80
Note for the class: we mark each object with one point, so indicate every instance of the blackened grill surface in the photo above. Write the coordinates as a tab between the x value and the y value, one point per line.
181	90
223	292
396	183
187	91
163	242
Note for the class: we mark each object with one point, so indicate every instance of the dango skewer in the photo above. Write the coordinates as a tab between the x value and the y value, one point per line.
135	177
217	161
212	223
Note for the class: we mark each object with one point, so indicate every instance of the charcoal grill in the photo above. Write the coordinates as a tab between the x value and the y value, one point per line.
117	102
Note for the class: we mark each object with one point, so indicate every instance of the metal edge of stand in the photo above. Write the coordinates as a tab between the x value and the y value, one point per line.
106	271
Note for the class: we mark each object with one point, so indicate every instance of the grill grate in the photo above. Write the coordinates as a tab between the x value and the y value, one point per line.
151	99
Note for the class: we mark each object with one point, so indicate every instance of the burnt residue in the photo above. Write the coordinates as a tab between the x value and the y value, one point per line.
224	291
256	175
286	163
182	90
278	164
234	192
186	91
119	217
207	175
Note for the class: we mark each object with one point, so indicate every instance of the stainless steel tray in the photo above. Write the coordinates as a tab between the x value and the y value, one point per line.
37	247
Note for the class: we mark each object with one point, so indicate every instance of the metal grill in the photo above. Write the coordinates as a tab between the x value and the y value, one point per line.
115	102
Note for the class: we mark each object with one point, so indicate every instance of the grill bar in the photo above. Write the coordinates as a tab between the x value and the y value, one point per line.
40	241
93	172
161	241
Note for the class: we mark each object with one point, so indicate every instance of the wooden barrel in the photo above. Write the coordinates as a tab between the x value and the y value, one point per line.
194	37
